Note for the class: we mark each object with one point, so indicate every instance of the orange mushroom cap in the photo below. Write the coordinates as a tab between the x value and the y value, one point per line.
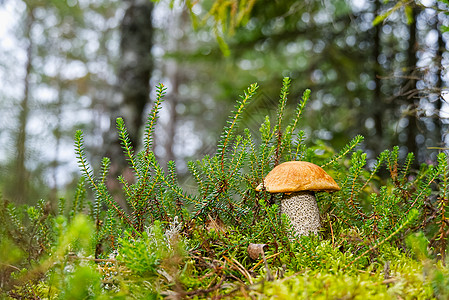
296	176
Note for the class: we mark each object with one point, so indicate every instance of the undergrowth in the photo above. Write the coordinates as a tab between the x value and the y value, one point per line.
381	237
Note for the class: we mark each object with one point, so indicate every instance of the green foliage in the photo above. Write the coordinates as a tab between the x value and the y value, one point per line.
29	228
225	16
379	233
399	5
146	197
66	277
143	255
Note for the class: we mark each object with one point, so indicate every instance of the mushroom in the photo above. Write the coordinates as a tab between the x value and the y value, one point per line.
299	180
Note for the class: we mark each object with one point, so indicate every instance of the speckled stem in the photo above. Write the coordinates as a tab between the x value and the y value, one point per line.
302	210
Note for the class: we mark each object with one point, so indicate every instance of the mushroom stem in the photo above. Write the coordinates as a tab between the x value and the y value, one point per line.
302	210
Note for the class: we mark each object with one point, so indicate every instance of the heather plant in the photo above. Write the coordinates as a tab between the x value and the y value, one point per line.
379	233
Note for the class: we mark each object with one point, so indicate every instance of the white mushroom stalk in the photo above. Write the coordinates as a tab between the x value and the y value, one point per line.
301	209
298	180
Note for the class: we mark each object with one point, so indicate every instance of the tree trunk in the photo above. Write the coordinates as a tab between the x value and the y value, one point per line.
378	105
136	64
439	84
21	173
134	74
410	89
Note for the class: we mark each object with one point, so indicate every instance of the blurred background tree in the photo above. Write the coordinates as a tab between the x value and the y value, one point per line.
385	82
58	66
81	63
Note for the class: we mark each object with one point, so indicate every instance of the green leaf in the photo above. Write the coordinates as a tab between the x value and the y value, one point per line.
409	14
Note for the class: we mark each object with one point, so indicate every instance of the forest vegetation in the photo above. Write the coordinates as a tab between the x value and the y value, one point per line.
126	171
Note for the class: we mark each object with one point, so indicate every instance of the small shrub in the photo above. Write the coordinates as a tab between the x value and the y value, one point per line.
382	238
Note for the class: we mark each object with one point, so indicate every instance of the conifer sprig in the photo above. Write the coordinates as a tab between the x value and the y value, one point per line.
238	157
423	189
392	163
105	165
232	124
126	144
358	161
299	109
153	116
101	193
409	218
406	168
176	189
79	198
378	163
280	113
266	148
299	146
82	160
253	161
347	149
442	215
128	191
